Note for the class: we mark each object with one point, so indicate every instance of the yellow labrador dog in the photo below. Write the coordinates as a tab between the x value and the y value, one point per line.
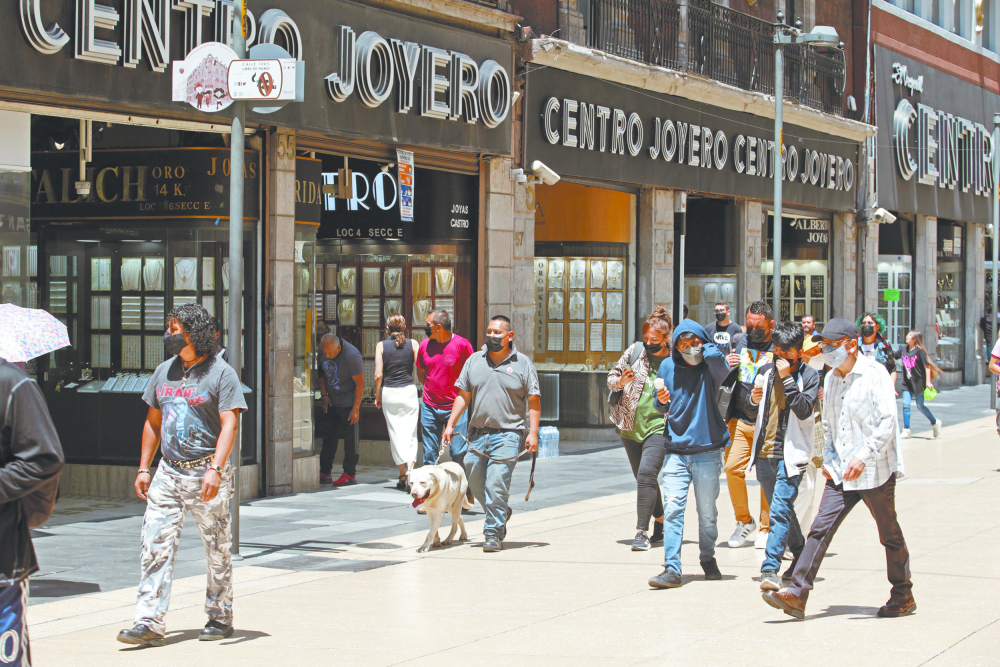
440	489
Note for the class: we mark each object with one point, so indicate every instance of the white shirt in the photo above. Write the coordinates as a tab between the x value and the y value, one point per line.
859	421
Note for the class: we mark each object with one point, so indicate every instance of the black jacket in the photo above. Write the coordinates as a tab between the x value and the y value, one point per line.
802	403
30	454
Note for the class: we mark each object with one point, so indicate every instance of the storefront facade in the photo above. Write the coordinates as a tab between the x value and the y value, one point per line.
693	222
394	82
935	175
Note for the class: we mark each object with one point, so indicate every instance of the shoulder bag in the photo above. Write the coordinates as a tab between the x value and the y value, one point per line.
615	397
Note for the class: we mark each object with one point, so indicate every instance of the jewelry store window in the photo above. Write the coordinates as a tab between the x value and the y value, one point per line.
950	295
805	282
356	292
112	284
306	343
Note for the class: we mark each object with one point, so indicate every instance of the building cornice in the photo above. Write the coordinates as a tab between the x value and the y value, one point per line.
455	12
560	54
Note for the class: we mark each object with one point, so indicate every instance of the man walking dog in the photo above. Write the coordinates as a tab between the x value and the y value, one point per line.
499	386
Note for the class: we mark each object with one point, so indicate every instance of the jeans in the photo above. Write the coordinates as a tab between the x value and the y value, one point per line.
919	398
833	509
490	480
679	472
781	492
432	423
331	426
737	458
646	458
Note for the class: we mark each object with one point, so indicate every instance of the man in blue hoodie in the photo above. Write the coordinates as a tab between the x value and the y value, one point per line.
694	438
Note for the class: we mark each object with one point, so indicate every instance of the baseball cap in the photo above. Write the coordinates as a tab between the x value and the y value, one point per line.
836	329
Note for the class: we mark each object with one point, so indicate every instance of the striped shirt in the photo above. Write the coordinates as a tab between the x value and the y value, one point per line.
859	421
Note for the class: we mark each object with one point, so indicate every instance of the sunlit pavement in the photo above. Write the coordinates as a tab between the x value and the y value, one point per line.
334	578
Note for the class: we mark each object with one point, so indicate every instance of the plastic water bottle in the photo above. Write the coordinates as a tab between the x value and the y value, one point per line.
548	442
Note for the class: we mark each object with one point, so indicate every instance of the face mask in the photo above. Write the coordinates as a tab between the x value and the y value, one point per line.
652	349
495	343
427	331
173	344
757	335
693	355
834	357
720	315
867	330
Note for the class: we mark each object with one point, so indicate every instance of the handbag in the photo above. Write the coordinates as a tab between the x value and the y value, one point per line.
615	397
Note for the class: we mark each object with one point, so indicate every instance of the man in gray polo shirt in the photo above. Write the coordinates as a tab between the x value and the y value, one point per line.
499	386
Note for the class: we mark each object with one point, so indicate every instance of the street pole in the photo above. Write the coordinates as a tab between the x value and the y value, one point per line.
996	245
235	323
779	94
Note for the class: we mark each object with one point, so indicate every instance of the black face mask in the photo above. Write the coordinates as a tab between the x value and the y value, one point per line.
173	344
495	343
652	349
720	315
867	330
427	331
756	335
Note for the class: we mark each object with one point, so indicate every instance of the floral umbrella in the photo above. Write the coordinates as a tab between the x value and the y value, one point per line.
26	333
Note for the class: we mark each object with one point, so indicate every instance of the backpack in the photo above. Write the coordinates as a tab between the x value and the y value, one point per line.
615	397
36	506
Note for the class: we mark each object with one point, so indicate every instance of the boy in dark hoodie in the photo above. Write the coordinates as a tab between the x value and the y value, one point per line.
695	437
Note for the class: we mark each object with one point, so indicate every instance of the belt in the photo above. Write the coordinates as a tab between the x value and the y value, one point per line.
495	431
191	464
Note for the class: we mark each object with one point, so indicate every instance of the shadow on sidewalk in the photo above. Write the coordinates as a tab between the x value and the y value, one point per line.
178	636
61	588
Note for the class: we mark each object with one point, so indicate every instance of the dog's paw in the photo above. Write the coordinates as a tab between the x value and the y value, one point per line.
447	542
423	548
463	538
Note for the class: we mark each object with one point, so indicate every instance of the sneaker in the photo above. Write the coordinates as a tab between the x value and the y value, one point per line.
666	579
788	555
214	631
711	570
140	635
906	434
345	480
492	543
937	428
657	536
741	534
769	581
761	541
641	542
325	479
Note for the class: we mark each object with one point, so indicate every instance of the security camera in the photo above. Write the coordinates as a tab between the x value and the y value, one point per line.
883	217
517	175
544	174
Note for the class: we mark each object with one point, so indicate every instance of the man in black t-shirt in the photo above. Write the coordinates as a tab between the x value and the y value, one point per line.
752	352
723	329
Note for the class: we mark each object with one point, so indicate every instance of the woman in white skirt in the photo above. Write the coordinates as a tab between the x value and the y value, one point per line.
396	394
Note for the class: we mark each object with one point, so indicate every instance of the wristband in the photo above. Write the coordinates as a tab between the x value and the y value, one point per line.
143	470
216	468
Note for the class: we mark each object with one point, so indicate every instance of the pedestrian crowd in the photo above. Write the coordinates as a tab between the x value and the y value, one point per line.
689	403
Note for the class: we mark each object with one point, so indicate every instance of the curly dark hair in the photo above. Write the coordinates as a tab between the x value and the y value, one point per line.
198	325
761	307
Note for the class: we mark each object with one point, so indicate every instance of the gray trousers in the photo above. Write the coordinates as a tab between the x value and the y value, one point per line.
171	496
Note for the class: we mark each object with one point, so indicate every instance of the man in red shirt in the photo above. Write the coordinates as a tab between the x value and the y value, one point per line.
439	362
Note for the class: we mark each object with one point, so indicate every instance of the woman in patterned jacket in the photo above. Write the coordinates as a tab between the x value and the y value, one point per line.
638	422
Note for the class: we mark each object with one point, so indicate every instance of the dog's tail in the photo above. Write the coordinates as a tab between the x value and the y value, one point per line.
466	505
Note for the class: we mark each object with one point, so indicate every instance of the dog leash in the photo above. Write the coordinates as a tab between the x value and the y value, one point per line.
534	459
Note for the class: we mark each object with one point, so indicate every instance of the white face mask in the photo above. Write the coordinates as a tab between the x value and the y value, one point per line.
834	357
693	355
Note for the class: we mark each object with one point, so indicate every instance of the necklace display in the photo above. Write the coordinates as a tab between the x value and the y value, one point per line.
392	281
345	280
185	274
555	310
596	306
207	274
596	274
614	306
152	274
578	273
131	272
445	281
576	306
615	275
556	270
421	309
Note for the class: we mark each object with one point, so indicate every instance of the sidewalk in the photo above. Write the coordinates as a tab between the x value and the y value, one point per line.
567	589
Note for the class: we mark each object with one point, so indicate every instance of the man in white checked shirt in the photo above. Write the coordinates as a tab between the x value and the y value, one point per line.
861	461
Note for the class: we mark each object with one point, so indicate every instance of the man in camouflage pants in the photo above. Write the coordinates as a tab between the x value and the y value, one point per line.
194	401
